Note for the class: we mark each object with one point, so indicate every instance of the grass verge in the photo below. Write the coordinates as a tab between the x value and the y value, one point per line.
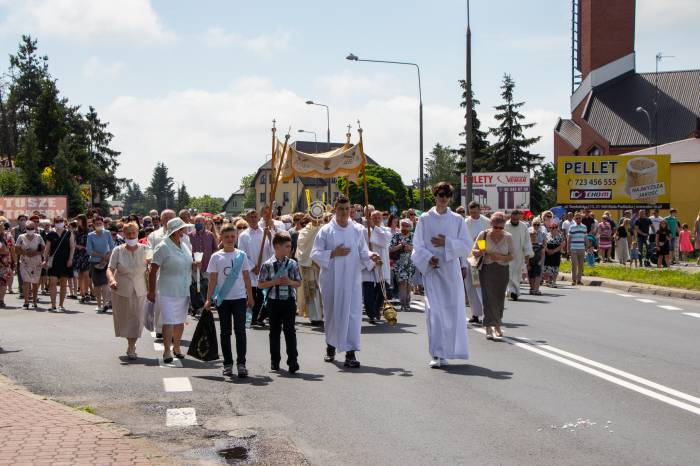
87	409
649	276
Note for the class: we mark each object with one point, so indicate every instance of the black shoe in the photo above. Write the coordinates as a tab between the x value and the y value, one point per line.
350	360
474	320
330	354
274	366
514	296
242	371
25	305
179	355
293	367
159	336
167	360
372	321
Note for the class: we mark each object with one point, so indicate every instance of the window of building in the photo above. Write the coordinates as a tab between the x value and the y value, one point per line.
285	196
595	150
263	179
263	197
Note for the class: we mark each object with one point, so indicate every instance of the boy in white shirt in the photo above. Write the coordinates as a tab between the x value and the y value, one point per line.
232	297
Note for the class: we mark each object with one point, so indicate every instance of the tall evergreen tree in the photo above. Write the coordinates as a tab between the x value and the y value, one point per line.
28	161
65	183
183	197
134	199
442	164
510	152
480	143
161	188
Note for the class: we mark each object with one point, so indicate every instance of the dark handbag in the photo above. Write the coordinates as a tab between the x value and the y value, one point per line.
204	345
396	255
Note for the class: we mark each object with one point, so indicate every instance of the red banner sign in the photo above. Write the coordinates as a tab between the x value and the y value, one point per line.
51	206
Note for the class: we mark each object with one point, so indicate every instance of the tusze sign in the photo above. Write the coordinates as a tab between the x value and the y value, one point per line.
51	206
499	191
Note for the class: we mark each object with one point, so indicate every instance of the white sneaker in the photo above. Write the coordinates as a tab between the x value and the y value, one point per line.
435	363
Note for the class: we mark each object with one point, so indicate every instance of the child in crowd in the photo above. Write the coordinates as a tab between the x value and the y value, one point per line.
229	269
279	278
684	242
634	255
534	264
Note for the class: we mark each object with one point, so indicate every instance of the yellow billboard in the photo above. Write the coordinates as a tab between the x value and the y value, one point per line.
614	181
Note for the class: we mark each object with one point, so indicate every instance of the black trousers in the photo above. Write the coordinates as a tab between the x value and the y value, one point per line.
259	314
373	299
643	247
282	318
232	310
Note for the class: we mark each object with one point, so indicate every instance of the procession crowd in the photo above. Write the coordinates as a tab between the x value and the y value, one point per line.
264	271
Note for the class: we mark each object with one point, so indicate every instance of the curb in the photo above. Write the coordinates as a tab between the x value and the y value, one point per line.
154	455
636	287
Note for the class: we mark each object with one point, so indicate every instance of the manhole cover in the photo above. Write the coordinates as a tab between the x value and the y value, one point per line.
234	454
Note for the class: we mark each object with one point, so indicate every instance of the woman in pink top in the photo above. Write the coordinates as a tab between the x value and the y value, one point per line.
605	238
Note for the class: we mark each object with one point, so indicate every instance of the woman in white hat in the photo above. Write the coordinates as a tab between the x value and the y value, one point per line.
169	282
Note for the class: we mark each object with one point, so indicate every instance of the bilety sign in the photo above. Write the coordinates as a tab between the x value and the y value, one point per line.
499	191
614	181
51	206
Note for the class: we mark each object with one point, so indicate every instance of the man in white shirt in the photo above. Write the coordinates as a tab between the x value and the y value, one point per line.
250	242
522	252
476	223
379	240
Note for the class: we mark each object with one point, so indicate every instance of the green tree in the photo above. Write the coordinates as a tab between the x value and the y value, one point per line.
206	203
102	157
414	196
380	195
10	182
28	161
442	164
543	188
480	143
390	178
161	188
510	152
65	183
134	199
246	185
183	197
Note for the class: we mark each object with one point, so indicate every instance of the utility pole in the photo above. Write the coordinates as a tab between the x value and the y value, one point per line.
469	126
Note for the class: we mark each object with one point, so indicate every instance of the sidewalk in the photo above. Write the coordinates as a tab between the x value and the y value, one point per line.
36	431
633	287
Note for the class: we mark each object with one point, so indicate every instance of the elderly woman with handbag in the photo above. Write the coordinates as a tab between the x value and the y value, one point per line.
495	245
169	281
127	279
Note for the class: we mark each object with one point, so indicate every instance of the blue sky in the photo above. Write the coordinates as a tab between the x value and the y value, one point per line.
196	84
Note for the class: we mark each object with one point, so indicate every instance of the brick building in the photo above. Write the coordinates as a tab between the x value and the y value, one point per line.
607	91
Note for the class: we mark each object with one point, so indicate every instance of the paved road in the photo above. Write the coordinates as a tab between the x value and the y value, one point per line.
586	376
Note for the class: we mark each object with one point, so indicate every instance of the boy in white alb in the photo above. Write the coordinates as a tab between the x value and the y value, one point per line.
229	270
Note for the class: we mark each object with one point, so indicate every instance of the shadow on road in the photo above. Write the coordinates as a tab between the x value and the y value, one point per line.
477	371
4	351
363	369
303	376
255	380
386	328
538	301
148	362
513	325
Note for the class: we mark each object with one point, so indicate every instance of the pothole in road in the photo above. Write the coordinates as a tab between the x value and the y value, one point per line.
234	455
226	451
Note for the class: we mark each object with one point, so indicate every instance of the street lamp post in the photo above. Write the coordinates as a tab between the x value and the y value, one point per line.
643	110
315	139
421	182
328	136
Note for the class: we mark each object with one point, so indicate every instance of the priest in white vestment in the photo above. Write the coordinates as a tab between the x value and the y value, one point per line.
341	251
379	241
522	252
439	242
476	223
250	242
308	296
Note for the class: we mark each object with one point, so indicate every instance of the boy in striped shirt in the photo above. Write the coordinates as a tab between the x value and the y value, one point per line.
576	247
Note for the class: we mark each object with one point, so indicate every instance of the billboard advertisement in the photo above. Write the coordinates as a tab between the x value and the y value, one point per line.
499	191
614	181
51	206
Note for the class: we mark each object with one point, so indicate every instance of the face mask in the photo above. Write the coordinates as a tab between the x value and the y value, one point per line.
199	226
146	224
131	242
60	225
99	228
30	233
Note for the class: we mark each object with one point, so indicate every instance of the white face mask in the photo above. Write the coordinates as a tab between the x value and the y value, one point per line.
131	242
99	228
30	233
60	225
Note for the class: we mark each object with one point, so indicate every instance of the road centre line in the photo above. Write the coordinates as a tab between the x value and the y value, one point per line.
647	301
670	308
158	347
625	295
176	363
177	384
692	314
537	349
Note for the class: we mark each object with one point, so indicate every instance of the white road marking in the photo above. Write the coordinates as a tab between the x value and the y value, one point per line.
180	417
177	384
176	363
537	349
692	314
153	334
625	295
648	301
670	308
158	347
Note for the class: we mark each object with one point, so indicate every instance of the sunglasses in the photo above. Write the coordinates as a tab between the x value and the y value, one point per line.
443	194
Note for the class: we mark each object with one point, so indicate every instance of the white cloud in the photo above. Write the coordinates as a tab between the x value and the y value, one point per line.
667	13
347	85
85	19
210	140
261	44
95	68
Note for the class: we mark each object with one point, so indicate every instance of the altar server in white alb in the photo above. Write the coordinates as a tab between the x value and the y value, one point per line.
439	242
522	252
476	223
379	241
341	251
